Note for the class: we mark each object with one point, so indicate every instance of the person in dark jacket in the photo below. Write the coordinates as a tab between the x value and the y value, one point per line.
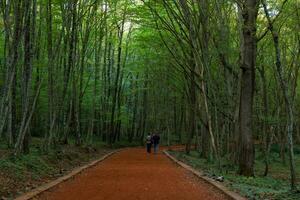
156	139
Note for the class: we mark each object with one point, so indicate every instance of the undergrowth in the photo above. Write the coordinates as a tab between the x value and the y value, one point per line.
25	172
274	186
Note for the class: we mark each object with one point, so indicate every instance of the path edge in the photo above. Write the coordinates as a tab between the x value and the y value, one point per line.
45	187
199	174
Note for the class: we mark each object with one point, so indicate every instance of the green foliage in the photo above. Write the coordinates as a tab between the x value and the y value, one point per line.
161	54
20	166
125	143
274	186
257	187
276	148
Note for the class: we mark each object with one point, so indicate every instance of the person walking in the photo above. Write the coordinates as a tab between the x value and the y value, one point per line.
149	142
156	139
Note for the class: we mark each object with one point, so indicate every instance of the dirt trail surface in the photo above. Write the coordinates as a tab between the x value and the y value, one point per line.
132	174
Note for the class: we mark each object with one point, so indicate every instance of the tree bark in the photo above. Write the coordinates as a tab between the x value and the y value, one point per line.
248	62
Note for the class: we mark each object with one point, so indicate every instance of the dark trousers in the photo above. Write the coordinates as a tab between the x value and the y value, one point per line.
155	148
149	148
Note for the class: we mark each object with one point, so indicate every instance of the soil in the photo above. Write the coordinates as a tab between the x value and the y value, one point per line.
133	174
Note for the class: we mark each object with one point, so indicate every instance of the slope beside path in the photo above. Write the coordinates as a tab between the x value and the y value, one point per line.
132	174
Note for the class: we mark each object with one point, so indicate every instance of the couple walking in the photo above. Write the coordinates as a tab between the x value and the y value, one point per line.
152	139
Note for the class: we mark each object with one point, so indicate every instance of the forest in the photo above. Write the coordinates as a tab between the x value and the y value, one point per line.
219	77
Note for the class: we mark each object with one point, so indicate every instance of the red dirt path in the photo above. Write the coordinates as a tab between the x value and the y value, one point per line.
133	174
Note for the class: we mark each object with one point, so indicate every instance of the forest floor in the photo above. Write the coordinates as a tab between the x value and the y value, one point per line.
132	174
274	186
26	172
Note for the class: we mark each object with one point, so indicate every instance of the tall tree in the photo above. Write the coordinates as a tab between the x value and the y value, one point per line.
249	10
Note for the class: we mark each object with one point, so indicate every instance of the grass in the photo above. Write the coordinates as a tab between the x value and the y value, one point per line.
25	172
274	186
21	165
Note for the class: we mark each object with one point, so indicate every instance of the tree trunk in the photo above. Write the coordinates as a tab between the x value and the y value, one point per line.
286	95
248	62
